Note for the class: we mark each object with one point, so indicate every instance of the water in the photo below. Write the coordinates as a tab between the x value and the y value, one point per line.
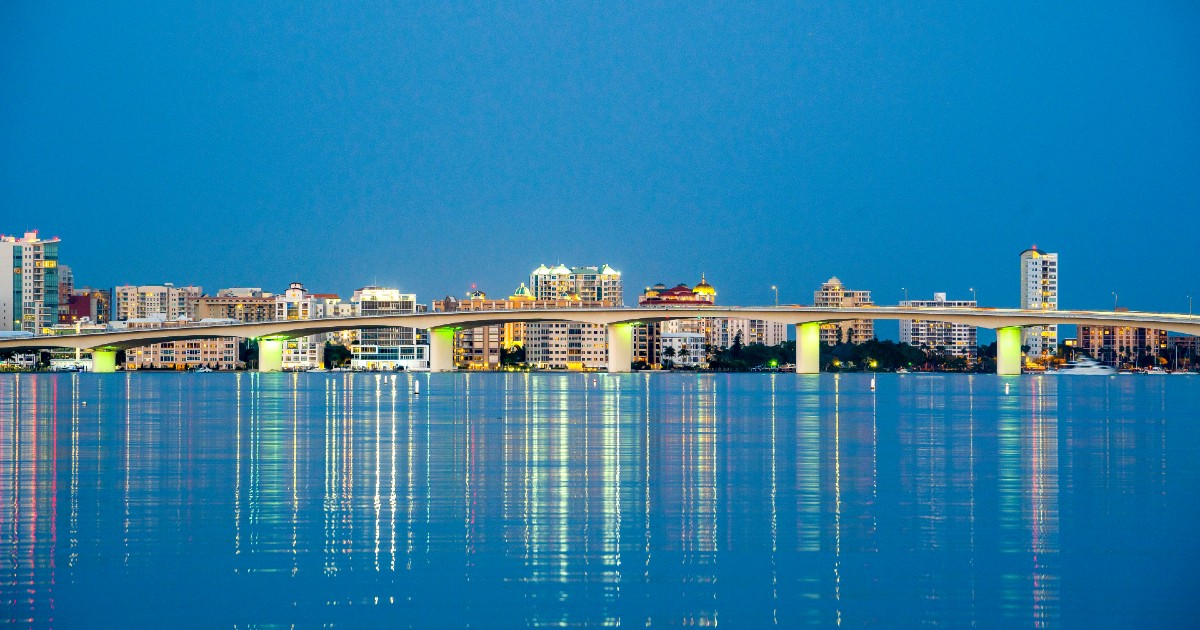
502	500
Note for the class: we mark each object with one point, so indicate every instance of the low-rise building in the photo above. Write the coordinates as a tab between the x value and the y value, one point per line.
1121	345
219	353
243	309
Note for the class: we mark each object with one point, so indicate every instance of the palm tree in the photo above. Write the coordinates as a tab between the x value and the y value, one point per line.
684	353
668	356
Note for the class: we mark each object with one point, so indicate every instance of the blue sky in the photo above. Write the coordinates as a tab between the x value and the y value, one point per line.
430	147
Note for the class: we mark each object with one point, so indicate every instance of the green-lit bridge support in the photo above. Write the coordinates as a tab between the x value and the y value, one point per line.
270	354
441	349
1008	350
808	348
104	361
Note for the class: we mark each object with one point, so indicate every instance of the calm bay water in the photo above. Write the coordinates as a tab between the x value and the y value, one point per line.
500	500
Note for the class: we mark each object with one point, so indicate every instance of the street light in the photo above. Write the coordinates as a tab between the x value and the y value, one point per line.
973	297
1189	305
1114	300
905	290
776	290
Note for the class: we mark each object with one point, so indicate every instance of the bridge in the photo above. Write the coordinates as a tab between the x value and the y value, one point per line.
619	322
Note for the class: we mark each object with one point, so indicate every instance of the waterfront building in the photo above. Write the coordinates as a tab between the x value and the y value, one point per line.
29	283
717	332
94	305
146	301
648	344
1119	345
834	294
301	353
1039	291
949	339
684	349
479	348
393	348
725	331
571	345
218	354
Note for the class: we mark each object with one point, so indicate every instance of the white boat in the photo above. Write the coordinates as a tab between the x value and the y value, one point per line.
318	369
1156	371
901	370
1085	366
203	369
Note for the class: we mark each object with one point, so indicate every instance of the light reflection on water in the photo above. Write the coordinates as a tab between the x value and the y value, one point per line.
570	499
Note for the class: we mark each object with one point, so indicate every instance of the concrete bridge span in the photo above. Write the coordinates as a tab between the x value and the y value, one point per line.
619	322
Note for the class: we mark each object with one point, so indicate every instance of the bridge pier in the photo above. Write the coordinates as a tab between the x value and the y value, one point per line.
1008	351
808	348
104	361
441	349
270	355
620	348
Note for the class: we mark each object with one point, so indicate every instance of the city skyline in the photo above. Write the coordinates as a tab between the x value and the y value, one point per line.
380	145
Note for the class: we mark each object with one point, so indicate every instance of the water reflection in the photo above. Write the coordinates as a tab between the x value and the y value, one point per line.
568	499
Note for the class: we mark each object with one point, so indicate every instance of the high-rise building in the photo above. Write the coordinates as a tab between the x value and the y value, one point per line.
590	284
29	291
571	345
950	339
168	300
1039	291
834	294
395	347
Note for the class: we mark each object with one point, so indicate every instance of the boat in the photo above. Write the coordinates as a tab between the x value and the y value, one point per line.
203	369
1157	371
901	370
318	369
1085	366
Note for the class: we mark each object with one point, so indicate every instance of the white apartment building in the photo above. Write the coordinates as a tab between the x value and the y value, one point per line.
569	345
834	294
1039	291
302	353
566	345
685	349
393	348
168	300
953	340
29	291
590	284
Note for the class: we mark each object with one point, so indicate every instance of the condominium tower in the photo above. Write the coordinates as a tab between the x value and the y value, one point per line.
571	345
1039	291
29	291
168	300
834	294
